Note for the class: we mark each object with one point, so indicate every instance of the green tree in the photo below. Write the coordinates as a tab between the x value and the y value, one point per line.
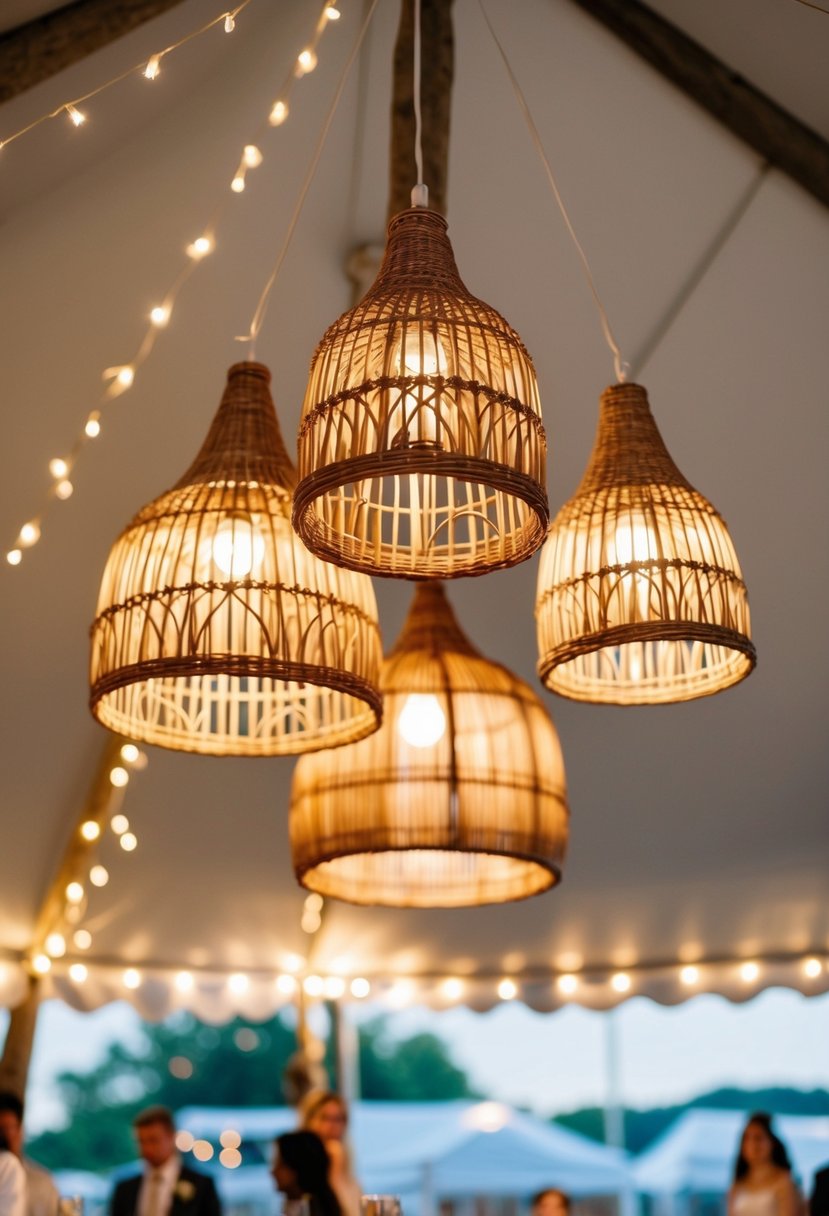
182	1062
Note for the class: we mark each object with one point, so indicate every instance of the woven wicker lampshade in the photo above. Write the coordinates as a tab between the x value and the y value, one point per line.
458	799
640	596
216	631
421	448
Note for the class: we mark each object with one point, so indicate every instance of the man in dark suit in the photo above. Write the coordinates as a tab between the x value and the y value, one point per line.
819	1203
166	1187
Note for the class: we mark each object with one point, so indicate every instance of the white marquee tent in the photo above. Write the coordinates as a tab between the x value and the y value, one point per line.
699	831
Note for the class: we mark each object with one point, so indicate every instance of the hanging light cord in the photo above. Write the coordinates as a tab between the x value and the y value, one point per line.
620	366
420	193
261	307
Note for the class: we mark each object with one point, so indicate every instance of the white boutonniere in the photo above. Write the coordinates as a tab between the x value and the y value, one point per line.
184	1190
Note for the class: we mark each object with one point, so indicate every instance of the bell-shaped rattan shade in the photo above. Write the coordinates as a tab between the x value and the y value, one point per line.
640	596
458	799
217	631
421	449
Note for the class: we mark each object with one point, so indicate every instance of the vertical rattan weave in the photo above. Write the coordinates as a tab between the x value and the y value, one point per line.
640	596
216	631
477	815
421	449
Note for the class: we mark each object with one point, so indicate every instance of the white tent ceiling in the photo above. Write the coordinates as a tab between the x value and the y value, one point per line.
699	831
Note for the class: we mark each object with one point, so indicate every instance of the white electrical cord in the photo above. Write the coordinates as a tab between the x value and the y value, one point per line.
420	193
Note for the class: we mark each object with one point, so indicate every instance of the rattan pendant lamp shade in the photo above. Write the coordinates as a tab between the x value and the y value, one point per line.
421	448
216	631
458	799
640	596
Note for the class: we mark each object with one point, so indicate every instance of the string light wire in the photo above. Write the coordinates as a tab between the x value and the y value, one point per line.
261	308
148	68
620	366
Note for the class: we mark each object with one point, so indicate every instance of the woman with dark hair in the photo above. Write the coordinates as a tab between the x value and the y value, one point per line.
326	1113
763	1183
12	1182
300	1169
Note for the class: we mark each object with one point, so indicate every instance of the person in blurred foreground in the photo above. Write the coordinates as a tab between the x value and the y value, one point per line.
42	1197
166	1187
300	1168
326	1113
763	1183
550	1202
12	1182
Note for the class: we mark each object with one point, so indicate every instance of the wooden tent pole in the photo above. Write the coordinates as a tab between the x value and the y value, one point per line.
17	1049
438	60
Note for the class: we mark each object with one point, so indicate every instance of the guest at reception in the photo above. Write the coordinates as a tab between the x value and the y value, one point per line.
42	1197
819	1202
12	1182
550	1202
166	1187
763	1183
326	1113
300	1168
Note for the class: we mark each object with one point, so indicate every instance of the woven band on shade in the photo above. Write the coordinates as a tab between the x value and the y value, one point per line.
216	631
640	596
458	799
421	448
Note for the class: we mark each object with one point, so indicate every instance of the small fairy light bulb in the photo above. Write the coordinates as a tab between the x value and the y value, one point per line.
58	467
128	842
78	973
812	967
119	824
160	315
55	945
131	978
278	114
29	534
74	892
360	988
64	489
507	990
90	829
230	23
119	776
93	425
82	939
153	67
200	247
41	964
252	157
129	753
306	61
75	114
125	376
99	876
332	13
620	982
238	183
14	557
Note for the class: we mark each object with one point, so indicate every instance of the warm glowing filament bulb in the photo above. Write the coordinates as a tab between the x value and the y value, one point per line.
132	978
99	876
184	983
160	315
200	247
230	23
29	534
90	829
82	939
125	376
119	776
507	990
620	982
74	892
238	184
58	467
128	842
119	824
78	973
41	963
306	61
64	489
14	557
689	975
278	114
93	425
422	722
749	972
129	753
55	945
74	113
812	968
332	13
153	67
238	547
252	156
567	984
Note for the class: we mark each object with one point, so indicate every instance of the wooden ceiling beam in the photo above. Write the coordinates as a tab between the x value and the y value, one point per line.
37	50
775	134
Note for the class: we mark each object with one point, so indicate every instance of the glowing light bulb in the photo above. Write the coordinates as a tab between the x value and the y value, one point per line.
286	984
313	985
422	722
360	988
749	972
620	982
125	376
238	184
252	156
230	1158
202	1150
230	23
507	990
119	824
55	945
237	547
93	425
41	964
128	842
74	892
99	876
568	984
29	534
75	114
160	315
90	830
332	13
452	988
129	753
306	62
58	467
119	776
413	419
64	489
184	983
238	983
153	67
82	939
132	978
812	968
200	247
278	114
333	988
689	975
230	1138
78	972
14	557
